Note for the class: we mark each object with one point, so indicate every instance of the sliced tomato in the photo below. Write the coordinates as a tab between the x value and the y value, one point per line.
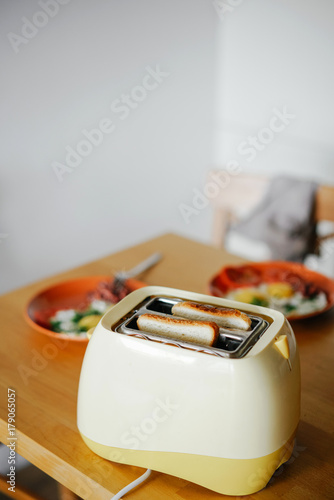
273	274
241	276
42	317
296	281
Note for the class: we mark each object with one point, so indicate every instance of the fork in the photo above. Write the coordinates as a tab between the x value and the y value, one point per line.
121	276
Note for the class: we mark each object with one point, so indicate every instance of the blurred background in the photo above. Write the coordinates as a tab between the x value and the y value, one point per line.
114	113
121	119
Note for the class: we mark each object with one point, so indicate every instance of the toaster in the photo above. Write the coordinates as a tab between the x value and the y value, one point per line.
224	417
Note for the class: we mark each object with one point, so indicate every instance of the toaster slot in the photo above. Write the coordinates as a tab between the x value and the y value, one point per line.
231	343
228	344
131	325
161	305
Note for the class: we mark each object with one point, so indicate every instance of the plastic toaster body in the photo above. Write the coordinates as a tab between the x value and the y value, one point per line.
222	417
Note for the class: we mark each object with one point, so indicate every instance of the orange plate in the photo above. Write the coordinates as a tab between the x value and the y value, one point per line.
64	295
250	275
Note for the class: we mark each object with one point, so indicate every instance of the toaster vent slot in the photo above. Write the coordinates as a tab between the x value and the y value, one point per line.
231	343
160	305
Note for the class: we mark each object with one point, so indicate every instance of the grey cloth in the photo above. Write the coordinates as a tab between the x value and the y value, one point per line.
284	219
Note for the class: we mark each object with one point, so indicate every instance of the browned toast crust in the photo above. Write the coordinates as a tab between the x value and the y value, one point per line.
213	311
170	322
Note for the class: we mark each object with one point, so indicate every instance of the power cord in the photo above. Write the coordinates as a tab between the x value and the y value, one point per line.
132	485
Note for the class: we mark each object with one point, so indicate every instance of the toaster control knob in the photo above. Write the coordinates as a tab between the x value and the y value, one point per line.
282	345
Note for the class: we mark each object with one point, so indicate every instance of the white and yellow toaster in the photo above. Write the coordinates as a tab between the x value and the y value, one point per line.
224	417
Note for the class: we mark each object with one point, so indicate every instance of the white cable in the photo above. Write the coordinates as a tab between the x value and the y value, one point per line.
132	485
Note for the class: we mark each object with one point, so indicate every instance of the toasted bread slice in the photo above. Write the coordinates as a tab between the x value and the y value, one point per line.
225	318
197	332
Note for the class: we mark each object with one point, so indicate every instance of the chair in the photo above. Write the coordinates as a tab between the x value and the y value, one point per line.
240	196
244	191
325	203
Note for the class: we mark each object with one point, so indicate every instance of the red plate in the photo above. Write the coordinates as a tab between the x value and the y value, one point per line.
64	295
251	275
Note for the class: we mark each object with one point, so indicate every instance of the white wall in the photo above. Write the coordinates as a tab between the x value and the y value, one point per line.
275	55
63	80
226	76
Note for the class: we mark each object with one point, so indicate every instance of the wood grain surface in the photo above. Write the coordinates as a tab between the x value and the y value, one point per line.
45	374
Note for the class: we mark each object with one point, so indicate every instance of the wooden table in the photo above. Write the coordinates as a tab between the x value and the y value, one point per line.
46	396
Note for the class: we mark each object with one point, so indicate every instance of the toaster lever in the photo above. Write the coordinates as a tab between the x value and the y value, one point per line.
90	332
282	345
